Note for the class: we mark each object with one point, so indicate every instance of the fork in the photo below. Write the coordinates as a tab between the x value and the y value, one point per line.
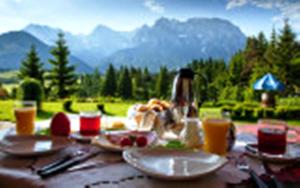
243	166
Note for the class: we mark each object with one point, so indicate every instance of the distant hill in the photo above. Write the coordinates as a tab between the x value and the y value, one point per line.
15	45
168	42
92	48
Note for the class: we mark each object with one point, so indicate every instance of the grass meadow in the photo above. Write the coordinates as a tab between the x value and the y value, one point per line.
112	108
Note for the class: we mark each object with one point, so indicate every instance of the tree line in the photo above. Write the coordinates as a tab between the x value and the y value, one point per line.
215	79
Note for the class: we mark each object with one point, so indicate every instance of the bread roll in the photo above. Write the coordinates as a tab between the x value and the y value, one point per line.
156	107
142	108
153	102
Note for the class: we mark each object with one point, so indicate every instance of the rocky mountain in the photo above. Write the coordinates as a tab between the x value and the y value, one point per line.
92	48
174	43
168	42
15	45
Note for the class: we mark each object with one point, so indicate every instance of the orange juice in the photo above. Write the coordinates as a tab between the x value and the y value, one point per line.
25	120
215	135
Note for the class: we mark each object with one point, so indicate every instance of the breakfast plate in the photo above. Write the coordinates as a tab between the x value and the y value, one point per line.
170	164
114	140
32	145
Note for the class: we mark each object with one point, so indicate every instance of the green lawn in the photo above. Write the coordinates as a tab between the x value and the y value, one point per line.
114	109
49	108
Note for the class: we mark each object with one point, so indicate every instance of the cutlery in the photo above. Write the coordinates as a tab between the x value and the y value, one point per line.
67	164
243	166
93	165
269	172
53	164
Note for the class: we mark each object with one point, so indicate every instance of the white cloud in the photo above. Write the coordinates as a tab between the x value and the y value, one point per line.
235	3
154	6
288	9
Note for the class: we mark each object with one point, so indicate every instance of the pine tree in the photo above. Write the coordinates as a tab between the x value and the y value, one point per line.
31	66
90	85
260	65
236	66
286	52
162	83
147	83
137	84
262	44
62	75
271	54
110	82
125	85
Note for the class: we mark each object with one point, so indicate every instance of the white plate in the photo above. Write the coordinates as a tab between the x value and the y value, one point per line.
103	142
292	154
35	145
171	164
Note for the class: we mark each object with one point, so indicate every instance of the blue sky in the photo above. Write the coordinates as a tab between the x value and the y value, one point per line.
81	16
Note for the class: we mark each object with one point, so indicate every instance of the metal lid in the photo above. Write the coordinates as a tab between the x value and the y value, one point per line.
186	73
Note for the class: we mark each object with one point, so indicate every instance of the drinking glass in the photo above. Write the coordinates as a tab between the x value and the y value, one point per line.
272	136
215	128
90	123
25	112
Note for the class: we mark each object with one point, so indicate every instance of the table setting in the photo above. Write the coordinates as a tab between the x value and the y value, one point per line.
159	144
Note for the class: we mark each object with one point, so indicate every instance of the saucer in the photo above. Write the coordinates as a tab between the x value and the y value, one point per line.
291	154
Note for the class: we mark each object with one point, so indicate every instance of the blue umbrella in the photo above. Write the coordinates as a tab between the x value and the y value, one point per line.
268	83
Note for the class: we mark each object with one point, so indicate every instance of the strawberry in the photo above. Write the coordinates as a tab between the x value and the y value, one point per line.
60	125
141	141
125	141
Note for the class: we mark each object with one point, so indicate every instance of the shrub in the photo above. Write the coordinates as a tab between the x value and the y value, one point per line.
31	89
249	113
293	113
226	103
281	112
67	105
13	93
259	113
249	104
269	113
208	104
225	109
81	100
237	112
290	101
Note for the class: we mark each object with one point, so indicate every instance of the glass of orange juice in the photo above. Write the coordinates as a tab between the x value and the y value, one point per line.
215	134
25	112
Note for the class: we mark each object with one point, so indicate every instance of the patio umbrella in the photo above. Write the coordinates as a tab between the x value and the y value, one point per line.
268	83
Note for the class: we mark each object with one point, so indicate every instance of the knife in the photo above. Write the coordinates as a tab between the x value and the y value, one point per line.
53	164
66	164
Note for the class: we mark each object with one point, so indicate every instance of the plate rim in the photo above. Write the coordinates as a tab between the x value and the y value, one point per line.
35	153
127	158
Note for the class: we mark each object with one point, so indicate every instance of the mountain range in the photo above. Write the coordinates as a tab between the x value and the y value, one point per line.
167	42
14	46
